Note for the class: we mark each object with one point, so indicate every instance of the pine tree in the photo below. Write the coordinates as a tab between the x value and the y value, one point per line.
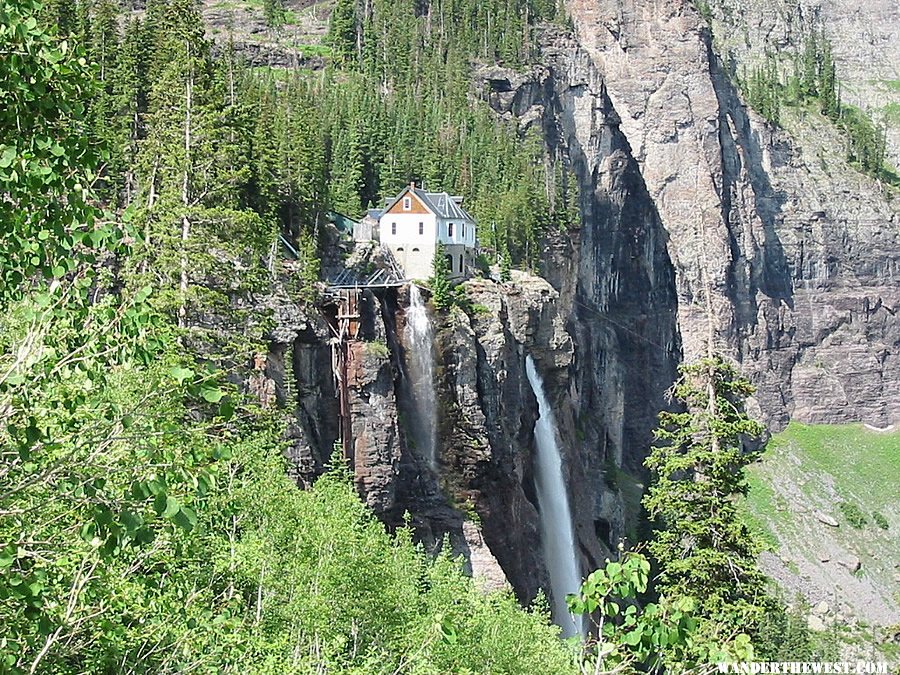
342	31
193	165
702	546
827	81
505	271
274	13
441	286
809	67
347	173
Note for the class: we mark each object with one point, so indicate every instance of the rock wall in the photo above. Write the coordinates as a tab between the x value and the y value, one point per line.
481	500
702	222
787	251
863	36
488	416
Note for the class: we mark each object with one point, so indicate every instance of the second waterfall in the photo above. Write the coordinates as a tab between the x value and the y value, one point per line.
557	535
419	336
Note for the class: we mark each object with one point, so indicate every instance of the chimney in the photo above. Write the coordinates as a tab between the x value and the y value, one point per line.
412	185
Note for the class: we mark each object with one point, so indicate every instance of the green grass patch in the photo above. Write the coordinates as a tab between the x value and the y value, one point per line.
879	519
761	503
891	113
315	50
378	349
859	459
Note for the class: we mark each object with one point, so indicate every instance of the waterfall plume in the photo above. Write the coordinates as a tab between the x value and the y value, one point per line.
419	335
557	535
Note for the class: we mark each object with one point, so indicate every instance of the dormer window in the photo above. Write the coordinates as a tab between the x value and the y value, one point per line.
449	229
407	203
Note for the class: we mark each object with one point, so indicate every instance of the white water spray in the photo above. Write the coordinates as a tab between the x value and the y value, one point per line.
419	335
557	536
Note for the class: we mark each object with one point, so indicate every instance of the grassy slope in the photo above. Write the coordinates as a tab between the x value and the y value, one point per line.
813	468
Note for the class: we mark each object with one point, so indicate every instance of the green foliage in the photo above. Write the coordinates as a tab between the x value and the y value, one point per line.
505	270
704	9
653	637
306	278
762	89
813	79
868	141
880	520
378	349
342	31
147	523
854	515
703	547
48	224
274	13
440	284
783	635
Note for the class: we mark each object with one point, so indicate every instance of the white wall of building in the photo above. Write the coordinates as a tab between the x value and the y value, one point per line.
464	236
414	252
414	246
403	229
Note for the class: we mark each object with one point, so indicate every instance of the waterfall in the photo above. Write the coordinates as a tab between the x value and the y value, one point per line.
557	536
419	335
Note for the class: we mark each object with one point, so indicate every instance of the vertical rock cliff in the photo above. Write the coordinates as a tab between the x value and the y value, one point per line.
789	254
481	497
763	238
699	222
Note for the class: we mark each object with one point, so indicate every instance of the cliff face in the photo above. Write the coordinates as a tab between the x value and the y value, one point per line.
700	222
778	251
788	252
481	498
863	36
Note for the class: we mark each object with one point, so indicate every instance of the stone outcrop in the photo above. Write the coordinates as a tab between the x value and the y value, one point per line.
489	415
481	499
701	220
863	36
375	445
299	364
788	252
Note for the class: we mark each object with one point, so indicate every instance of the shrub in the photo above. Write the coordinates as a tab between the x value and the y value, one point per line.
378	349
880	520
854	515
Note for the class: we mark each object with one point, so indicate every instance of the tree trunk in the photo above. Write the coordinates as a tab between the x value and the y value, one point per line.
185	198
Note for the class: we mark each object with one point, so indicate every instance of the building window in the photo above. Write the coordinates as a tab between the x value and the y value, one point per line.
393	228
415	250
460	263
449	229
399	249
450	262
421	228
407	203
463	230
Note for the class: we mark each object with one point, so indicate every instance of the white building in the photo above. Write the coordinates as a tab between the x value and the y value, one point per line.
415	222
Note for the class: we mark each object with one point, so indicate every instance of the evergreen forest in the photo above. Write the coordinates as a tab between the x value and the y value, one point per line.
147	521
